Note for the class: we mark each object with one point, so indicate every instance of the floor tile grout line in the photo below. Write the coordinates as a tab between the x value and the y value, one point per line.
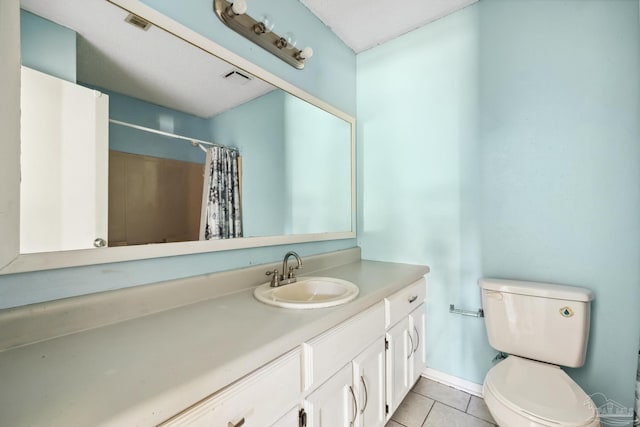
454	408
436	400
433	403
449	406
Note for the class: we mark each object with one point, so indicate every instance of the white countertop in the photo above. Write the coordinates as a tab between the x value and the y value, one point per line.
144	370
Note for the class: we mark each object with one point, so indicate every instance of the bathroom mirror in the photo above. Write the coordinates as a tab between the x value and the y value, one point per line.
169	94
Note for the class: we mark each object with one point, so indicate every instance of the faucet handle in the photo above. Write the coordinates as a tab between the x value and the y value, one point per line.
291	274
275	279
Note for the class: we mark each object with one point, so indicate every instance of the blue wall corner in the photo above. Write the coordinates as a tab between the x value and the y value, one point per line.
515	155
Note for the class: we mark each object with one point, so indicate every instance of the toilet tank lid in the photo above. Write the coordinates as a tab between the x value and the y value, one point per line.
537	289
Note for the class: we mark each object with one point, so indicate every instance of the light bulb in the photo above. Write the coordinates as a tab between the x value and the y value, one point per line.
268	23
239	7
305	53
291	39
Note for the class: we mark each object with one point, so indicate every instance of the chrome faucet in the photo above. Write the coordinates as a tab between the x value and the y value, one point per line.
287	276
289	271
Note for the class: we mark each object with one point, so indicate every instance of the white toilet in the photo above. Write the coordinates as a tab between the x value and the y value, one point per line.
540	326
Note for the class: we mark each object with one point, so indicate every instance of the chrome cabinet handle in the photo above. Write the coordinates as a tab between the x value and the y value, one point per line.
411	352
99	243
412	298
238	424
417	339
355	407
366	395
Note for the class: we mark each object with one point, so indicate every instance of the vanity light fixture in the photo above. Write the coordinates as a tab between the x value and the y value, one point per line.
234	16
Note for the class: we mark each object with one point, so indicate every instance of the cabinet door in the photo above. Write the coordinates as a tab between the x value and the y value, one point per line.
333	404
417	323
398	363
368	384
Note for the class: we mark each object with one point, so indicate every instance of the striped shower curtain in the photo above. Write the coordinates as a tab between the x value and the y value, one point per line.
221	216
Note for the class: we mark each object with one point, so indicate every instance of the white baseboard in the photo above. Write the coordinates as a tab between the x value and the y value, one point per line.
451	381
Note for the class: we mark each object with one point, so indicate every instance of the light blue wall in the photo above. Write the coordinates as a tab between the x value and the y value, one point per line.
141	113
257	129
419	176
561	163
509	147
296	157
47	47
317	164
319	78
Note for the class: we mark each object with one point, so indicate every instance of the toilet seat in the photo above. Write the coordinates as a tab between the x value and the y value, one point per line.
538	393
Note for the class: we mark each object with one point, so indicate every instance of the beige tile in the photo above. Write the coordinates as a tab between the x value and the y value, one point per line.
392	423
477	408
442	393
446	416
413	410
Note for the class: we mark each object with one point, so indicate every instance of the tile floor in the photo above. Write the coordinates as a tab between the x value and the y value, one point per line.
431	404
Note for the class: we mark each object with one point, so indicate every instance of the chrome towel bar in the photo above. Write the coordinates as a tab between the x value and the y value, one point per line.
454	310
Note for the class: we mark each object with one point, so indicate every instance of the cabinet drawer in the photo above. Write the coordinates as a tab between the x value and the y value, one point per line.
258	399
404	302
324	354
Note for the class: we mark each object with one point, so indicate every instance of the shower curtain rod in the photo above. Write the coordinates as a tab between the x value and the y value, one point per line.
193	141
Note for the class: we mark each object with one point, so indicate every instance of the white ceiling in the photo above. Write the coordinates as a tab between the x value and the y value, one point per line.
363	24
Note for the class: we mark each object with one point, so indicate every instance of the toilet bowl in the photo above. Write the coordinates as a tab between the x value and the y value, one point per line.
525	393
542	326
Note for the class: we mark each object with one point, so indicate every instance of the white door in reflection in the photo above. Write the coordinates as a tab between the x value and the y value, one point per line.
64	149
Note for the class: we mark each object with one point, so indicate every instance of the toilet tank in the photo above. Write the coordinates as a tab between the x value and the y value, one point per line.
539	321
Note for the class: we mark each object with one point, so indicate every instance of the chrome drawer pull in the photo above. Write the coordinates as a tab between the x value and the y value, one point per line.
413	298
355	407
366	395
238	424
411	345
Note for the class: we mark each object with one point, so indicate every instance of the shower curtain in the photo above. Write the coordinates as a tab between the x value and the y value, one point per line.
221	214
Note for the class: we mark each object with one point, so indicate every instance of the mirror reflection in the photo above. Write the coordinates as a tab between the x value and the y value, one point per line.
133	136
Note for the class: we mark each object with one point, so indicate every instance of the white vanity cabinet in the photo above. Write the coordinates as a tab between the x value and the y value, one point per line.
352	357
354	396
352	375
290	419
369	385
417	357
268	396
325	354
398	363
333	404
405	320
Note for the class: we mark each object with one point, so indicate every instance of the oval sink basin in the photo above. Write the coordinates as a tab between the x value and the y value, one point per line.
308	292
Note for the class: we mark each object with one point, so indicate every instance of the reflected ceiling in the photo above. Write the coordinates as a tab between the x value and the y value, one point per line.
115	55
